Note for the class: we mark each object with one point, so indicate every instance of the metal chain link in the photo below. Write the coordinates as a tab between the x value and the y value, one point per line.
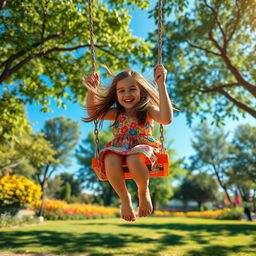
160	30
162	137
160	53
92	53
96	133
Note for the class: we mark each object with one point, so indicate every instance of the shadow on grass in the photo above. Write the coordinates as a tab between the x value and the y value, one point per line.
89	243
221	251
213	229
97	243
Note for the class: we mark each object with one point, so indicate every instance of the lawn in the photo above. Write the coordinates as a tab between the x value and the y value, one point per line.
160	236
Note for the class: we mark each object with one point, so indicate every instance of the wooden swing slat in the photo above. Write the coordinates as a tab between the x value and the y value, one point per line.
162	163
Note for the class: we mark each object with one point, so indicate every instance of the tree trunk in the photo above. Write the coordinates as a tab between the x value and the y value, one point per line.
108	196
44	187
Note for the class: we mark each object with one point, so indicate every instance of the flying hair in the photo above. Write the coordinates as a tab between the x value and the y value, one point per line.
106	98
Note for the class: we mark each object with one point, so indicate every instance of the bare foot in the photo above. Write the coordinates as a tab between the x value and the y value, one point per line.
145	204
127	212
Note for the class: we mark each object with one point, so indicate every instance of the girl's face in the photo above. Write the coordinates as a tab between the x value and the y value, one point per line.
128	93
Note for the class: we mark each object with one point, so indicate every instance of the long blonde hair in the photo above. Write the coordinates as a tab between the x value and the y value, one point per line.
106	98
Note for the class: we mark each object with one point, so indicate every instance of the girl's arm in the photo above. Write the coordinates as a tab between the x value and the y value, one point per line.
163	114
93	81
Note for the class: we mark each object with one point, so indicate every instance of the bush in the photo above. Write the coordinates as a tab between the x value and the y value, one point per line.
231	214
16	192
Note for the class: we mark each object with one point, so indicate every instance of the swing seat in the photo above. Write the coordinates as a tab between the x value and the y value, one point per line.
162	166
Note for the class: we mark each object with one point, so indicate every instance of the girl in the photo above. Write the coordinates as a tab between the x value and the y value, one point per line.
133	104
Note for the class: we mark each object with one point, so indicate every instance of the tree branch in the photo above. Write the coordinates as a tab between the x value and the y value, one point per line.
11	165
214	41
215	13
251	88
238	17
203	49
219	86
236	102
22	52
43	53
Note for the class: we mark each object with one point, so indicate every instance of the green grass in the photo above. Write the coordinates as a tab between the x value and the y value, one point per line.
160	236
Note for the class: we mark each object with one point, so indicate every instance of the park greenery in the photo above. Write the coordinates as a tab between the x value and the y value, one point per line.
148	236
208	49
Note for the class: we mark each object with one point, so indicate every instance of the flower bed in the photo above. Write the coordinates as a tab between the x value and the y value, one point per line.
202	214
60	210
235	213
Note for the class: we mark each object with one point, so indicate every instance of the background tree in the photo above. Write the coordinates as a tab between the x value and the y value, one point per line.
200	188
63	134
209	48
242	170
66	192
29	148
212	154
57	187
74	183
44	49
243	152
13	120
54	187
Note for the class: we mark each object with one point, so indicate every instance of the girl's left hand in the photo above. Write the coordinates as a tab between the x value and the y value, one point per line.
160	74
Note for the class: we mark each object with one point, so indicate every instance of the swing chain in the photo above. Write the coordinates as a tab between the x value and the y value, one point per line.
162	137
96	133
160	31
160	53
92	52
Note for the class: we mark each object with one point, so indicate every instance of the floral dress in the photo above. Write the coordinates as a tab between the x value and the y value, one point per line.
132	138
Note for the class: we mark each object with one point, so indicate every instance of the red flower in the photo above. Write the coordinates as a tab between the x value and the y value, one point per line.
121	119
133	125
124	129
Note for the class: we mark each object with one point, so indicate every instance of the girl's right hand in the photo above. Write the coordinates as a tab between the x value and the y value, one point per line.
92	80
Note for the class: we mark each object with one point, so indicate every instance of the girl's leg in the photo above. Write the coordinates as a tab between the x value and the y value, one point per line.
139	172
115	176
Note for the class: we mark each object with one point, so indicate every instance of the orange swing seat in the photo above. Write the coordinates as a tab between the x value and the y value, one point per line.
162	167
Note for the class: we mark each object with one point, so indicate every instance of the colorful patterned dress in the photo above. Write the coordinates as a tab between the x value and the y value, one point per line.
132	138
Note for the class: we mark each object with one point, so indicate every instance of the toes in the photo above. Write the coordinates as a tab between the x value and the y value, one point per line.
128	218
145	213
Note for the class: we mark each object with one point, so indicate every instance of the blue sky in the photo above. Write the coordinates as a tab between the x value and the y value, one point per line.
178	130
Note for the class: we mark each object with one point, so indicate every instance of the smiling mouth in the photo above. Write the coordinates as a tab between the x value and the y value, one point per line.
128	101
